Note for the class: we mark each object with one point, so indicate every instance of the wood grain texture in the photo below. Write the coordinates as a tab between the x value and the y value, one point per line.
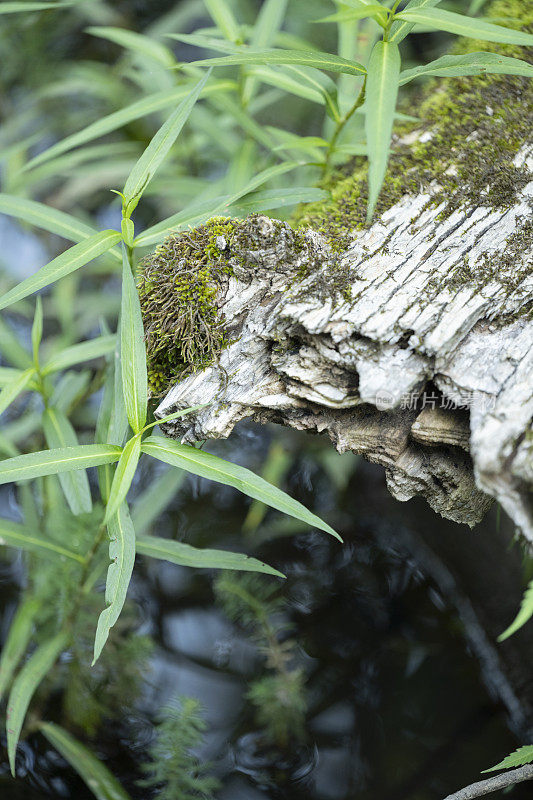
427	369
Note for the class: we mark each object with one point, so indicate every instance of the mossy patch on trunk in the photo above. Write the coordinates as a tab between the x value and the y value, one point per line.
470	131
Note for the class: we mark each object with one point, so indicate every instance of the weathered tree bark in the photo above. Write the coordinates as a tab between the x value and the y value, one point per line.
413	346
303	357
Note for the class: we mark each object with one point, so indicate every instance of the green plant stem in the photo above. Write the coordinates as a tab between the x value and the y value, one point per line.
360	99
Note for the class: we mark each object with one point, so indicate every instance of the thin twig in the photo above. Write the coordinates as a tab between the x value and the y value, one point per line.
489	785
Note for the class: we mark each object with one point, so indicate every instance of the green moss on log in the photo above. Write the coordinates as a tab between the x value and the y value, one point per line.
178	288
470	131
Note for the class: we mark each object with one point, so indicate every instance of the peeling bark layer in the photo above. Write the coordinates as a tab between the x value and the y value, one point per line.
406	349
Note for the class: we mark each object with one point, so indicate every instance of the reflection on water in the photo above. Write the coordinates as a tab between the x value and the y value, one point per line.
398	708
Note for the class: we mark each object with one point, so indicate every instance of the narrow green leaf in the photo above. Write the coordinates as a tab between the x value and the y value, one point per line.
206	42
122	555
12	350
14	534
382	91
59	432
78	353
13	389
45	217
223	17
313	58
17	640
152	104
175	415
51	462
275	77
269	21
24	688
469	64
466	26
147	165
524	755
67	262
188	556
211	207
14	7
278	198
136	42
112	422
132	350
523	616
400	28
379	13
123	477
155	499
8	375
91	770
37	330
209	466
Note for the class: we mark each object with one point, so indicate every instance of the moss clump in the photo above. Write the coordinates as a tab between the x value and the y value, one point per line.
474	128
178	288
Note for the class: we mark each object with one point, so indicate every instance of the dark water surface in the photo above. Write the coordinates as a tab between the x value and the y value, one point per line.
406	701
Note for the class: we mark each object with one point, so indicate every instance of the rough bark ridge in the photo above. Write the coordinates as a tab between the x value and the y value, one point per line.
304	356
412	347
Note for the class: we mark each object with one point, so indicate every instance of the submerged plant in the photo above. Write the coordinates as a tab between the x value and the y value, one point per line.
173	768
279	695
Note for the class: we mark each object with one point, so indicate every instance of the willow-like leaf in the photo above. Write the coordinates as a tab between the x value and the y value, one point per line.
78	353
188	556
45	217
16	7
11	390
136	43
59	432
471	27
15	534
155	499
67	262
313	58
123	477
158	101
524	755
401	28
132	350
382	91
147	165
17	640
122	555
212	206
52	462
24	686
469	64
37	330
91	770
210	466
523	616
224	18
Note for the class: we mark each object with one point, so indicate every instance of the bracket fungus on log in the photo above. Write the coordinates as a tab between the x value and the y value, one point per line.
409	341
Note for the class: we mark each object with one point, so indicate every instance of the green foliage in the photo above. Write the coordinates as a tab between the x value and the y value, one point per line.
173	768
523	616
190	147
95	774
24	686
524	755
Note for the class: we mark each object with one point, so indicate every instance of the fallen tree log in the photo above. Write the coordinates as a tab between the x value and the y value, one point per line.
409	341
